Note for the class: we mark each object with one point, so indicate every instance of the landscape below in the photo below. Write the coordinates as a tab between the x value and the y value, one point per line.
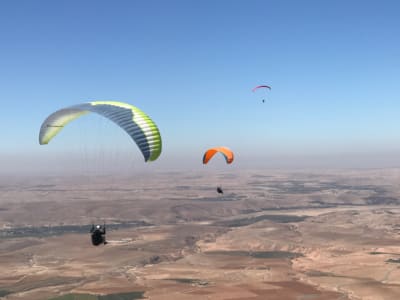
276	234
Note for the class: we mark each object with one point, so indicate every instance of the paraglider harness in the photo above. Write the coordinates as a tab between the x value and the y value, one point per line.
219	190
98	234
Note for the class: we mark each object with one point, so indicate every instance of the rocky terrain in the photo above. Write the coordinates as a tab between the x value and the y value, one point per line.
271	235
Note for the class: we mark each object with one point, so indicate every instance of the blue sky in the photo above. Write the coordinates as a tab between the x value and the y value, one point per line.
334	69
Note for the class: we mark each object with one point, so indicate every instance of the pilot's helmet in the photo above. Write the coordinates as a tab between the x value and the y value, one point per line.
98	227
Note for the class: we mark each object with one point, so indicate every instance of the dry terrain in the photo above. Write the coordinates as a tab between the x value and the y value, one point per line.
303	235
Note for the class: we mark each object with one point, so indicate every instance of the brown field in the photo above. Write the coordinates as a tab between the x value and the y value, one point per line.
303	235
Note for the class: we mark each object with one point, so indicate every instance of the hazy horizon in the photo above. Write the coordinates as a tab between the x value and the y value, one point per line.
69	165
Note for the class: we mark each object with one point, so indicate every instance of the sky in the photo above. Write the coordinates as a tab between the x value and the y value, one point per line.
333	66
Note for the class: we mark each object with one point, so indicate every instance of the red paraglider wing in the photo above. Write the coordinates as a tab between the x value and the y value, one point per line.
261	86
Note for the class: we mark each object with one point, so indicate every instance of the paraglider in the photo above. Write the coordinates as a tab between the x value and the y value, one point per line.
143	131
261	87
226	152
132	120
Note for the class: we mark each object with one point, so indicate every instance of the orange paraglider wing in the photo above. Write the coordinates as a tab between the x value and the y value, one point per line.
227	153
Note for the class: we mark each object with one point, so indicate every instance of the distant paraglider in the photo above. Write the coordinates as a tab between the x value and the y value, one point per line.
132	120
261	87
226	152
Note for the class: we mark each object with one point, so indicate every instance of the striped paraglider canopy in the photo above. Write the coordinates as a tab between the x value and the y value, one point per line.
131	119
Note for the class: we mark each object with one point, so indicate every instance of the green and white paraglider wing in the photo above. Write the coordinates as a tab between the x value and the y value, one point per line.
135	122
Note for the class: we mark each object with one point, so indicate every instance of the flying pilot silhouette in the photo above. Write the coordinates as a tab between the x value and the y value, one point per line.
98	234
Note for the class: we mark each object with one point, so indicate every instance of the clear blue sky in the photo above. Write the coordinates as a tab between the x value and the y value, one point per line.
334	69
